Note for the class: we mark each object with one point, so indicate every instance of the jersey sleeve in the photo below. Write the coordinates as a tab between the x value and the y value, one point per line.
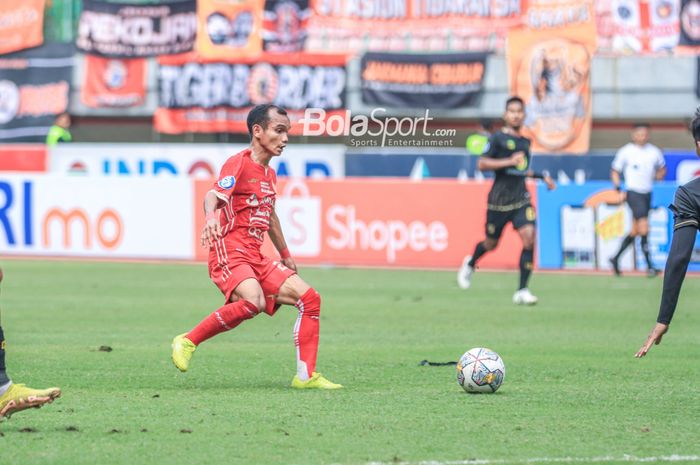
620	160
685	210
225	185
491	147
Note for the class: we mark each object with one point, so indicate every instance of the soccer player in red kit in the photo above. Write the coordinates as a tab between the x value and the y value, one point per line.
240	209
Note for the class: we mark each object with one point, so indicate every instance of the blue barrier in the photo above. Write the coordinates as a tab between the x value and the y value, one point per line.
578	228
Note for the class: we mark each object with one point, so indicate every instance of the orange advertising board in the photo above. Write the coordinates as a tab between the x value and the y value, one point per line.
21	24
229	28
371	222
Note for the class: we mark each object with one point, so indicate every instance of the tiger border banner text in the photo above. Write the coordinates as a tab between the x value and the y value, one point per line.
196	95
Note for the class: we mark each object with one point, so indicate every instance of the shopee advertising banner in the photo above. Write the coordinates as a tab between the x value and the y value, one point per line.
96	217
368	222
201	161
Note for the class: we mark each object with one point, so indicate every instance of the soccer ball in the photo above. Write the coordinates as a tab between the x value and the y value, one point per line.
481	370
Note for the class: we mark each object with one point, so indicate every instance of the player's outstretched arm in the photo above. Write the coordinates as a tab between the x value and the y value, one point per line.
678	258
487	163
212	228
277	238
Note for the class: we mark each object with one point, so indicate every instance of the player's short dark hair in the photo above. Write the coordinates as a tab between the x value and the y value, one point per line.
515	99
487	123
695	125
260	114
641	124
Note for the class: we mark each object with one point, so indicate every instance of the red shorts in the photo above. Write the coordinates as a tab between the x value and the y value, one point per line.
228	267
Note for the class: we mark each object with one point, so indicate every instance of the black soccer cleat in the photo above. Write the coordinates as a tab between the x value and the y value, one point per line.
652	272
615	266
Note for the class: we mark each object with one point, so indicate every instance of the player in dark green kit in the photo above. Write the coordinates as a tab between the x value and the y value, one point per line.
686	222
507	154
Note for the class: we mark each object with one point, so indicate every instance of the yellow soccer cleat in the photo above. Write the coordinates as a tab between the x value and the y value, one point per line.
183	349
19	397
317	381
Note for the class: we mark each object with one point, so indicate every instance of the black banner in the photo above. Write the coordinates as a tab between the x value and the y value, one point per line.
690	28
449	80
34	89
217	96
284	25
122	30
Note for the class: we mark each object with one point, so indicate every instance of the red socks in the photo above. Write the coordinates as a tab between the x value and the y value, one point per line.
227	317
306	333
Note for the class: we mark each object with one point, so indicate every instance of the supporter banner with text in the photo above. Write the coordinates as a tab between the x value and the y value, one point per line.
364	222
449	80
113	82
637	26
124	30
348	26
689	38
552	14
229	29
216	96
285	24
34	89
550	69
21	24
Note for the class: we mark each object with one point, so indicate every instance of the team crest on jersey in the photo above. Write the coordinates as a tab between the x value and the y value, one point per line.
510	143
227	182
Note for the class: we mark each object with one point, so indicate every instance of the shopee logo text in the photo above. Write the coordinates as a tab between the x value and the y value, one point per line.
393	236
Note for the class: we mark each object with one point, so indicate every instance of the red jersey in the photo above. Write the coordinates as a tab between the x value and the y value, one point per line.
248	188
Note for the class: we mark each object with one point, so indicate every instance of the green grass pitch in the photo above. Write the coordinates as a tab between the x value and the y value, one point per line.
573	389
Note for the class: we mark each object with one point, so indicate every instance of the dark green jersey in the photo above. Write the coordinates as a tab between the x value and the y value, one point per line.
508	191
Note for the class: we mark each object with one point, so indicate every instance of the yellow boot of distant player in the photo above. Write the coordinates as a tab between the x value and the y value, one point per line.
317	381
19	397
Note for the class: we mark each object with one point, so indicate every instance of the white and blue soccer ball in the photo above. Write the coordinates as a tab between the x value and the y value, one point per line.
481	370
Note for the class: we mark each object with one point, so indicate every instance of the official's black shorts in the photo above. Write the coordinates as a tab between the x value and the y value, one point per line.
640	204
497	220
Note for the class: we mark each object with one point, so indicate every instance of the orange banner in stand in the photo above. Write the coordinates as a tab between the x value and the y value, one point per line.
21	24
113	82
549	69
351	26
229	28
